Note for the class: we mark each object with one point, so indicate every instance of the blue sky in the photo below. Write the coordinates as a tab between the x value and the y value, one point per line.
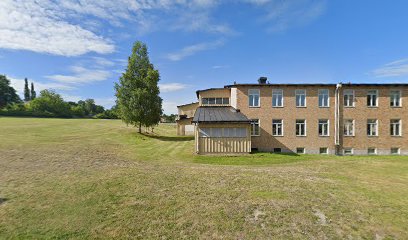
79	48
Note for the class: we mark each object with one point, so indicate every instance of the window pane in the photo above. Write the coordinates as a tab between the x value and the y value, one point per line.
225	101
205	132
211	101
204	101
218	101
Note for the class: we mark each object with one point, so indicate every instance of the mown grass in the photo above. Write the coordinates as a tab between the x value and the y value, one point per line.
69	178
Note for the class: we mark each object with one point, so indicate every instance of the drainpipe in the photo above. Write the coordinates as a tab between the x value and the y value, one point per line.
336	117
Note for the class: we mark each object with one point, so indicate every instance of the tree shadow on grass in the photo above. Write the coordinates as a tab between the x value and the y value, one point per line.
169	138
3	200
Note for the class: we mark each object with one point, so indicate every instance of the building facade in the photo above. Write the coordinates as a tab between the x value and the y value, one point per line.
343	119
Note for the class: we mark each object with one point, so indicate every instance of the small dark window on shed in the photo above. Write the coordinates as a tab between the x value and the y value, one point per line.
218	101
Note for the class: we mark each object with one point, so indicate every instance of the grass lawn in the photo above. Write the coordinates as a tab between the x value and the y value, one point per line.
100	179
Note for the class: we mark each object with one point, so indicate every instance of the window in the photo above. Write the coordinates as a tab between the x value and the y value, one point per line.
395	127
214	101
277	98
253	97
395	151
323	127
255	127
223	132
300	98
372	127
323	150
348	151
323	97
372	98
395	98
277	127
348	127
348	97
300	150
277	150
300	127
372	151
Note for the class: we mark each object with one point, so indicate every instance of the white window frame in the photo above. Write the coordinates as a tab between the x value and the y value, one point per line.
376	128
253	127
277	92
398	151
281	123
376	98
351	151
326	152
374	153
305	127
300	92
323	94
327	128
352	129
348	93
253	101
393	99
303	152
392	130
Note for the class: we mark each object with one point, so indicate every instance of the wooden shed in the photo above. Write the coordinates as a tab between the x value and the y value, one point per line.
221	130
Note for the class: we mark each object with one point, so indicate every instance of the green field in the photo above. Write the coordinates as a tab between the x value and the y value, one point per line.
69	178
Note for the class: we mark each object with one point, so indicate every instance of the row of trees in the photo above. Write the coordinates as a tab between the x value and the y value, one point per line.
48	104
138	100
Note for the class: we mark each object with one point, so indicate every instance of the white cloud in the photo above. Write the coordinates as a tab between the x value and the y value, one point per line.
18	84
171	87
39	26
81	75
393	69
193	49
169	107
282	15
219	66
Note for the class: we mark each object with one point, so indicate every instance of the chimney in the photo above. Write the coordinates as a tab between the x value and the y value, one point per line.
262	80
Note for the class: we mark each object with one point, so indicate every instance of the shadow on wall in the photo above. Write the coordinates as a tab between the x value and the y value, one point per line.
272	145
169	138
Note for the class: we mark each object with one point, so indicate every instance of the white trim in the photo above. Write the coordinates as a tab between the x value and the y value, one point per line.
301	94
328	97
283	104
376	97
351	151
353	129
259	97
259	128
328	127
368	151
273	134
353	98
305	123
400	97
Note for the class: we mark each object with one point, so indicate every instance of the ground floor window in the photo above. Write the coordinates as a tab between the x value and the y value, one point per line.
300	127
223	132
395	151
348	151
300	150
372	127
277	150
255	127
323	127
372	151
277	127
324	150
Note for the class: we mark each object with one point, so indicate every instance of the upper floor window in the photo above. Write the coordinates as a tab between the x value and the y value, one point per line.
348	97
395	98
277	98
215	101
253	96
255	127
277	127
323	97
372	127
300	127
348	127
300	98
323	127
395	127
372	98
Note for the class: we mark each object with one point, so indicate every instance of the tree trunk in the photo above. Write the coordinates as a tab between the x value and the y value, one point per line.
140	127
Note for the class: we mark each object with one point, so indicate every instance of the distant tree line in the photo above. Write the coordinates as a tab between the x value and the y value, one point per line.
47	104
171	118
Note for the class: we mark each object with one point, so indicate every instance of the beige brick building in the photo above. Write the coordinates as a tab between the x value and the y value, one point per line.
339	119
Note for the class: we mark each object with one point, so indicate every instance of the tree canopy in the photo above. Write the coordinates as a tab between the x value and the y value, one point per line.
137	91
8	94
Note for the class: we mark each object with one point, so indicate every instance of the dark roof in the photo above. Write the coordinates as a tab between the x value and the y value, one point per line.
187	104
316	84
219	115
